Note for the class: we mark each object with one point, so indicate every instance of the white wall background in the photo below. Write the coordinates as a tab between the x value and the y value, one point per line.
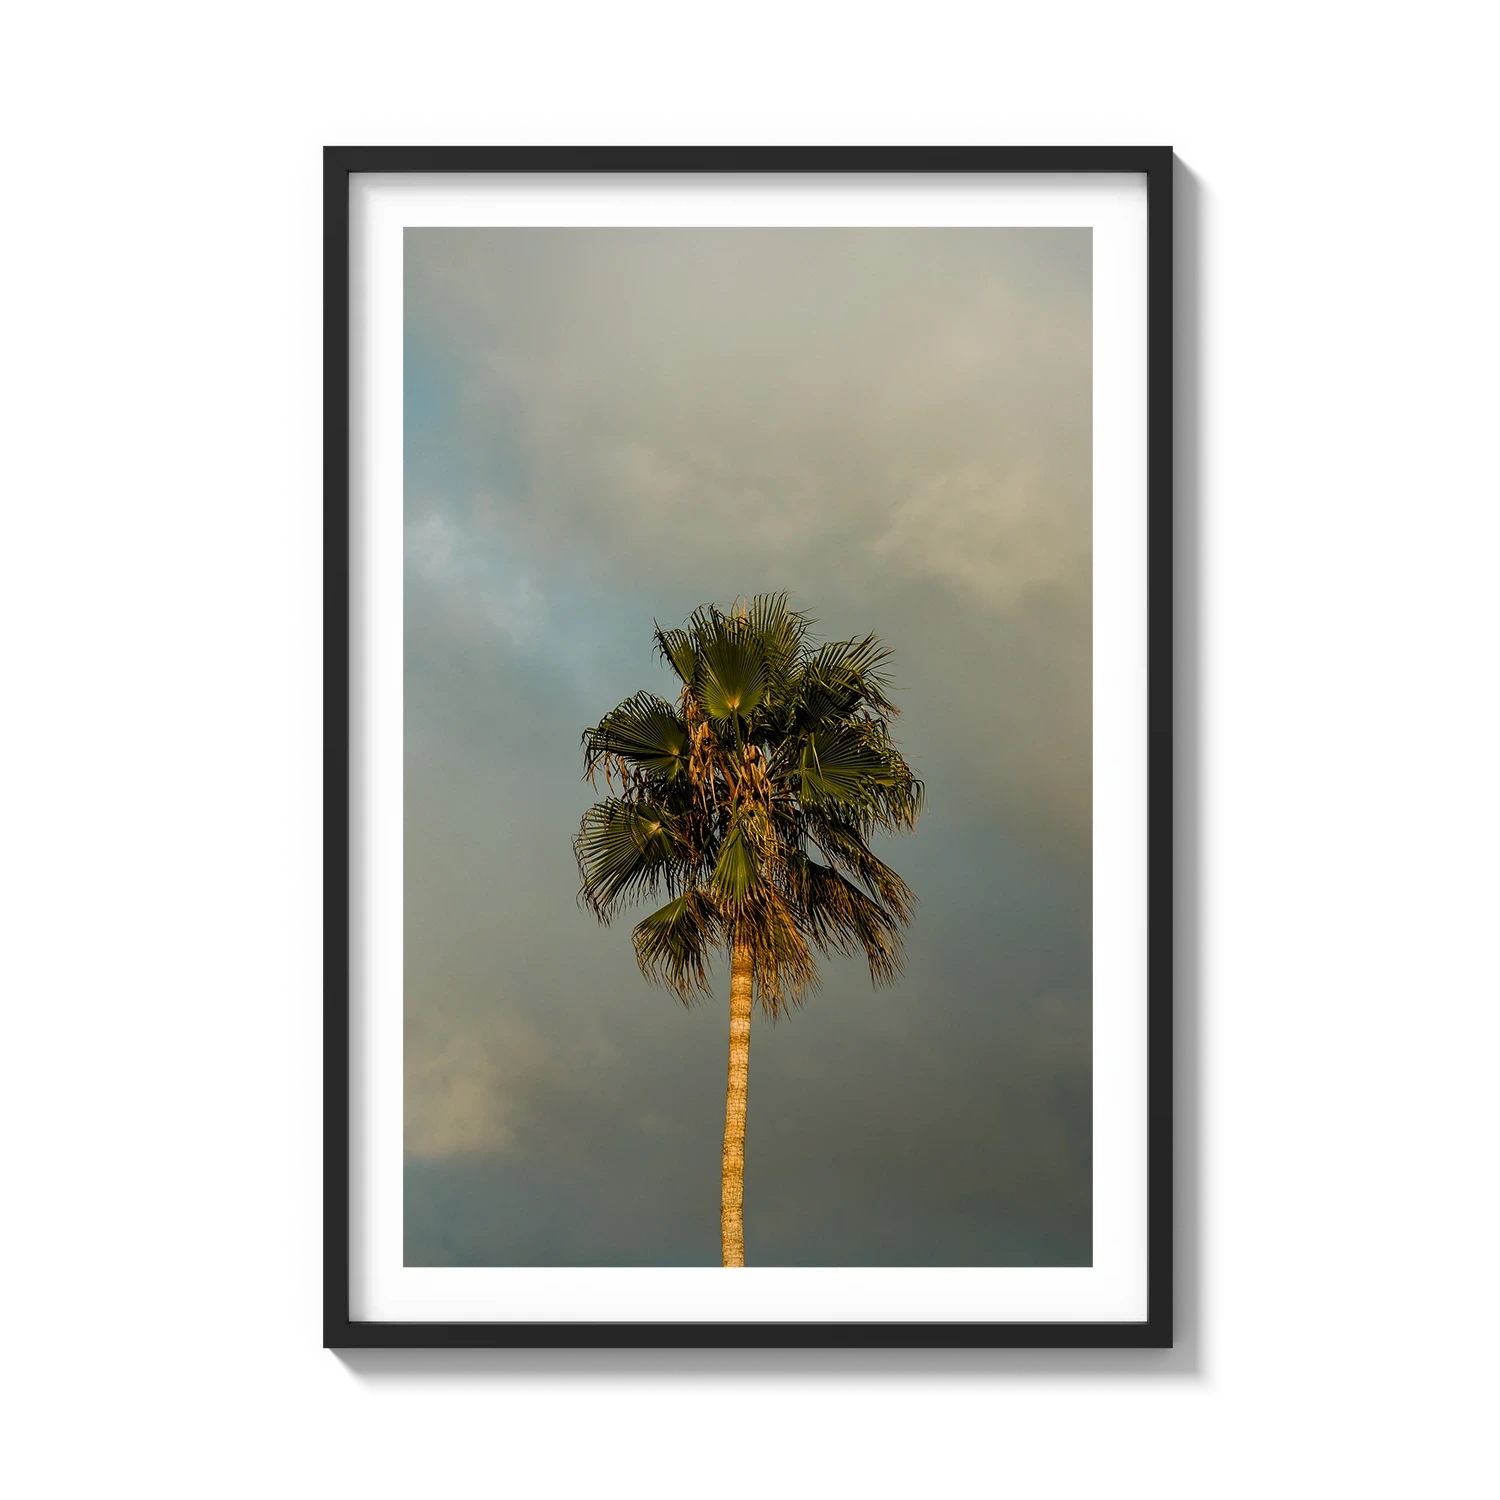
159	474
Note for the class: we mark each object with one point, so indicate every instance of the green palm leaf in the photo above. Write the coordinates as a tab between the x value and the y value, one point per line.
782	632
675	647
736	869
839	765
854	672
730	678
674	946
845	849
645	731
623	849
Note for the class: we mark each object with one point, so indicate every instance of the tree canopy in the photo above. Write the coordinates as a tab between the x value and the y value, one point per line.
749	804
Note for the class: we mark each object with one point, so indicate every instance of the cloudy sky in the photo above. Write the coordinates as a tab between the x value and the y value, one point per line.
610	427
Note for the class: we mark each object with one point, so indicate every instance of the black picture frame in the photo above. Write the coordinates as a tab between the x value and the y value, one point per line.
1184	1326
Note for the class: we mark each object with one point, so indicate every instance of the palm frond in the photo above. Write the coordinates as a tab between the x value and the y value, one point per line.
782	964
902	802
845	849
842	918
675	647
644	731
782	632
623	849
839	765
730	678
674	946
856	669
736	869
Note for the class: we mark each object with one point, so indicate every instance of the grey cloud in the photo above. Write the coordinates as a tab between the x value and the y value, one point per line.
851	415
895	401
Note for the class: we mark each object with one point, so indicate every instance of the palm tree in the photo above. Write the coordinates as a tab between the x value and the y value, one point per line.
750	804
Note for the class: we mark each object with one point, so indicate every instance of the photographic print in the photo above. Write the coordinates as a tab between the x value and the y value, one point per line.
747	716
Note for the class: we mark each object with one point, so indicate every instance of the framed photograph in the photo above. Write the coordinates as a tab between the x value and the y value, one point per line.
748	747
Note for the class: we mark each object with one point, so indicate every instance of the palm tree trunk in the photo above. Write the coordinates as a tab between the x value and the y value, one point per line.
732	1189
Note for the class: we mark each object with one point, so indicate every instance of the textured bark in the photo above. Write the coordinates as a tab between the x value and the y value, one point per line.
732	1186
